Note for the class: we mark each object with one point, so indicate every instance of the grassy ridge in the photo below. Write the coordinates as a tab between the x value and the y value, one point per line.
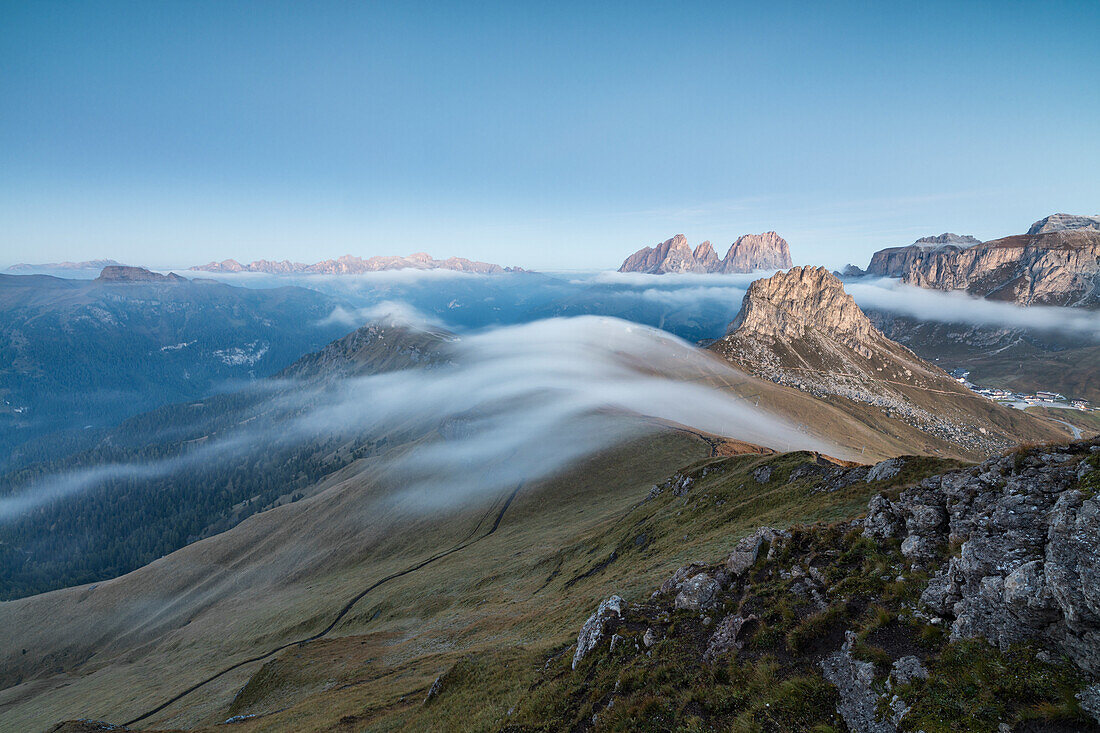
489	644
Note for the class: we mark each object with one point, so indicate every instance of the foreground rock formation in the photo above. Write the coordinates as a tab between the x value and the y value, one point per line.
751	252
1027	526
971	597
1056	263
352	265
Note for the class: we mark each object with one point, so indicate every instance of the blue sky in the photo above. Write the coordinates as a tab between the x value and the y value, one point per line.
549	135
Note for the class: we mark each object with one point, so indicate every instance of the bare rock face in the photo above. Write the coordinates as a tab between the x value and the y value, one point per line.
896	261
1062	222
1054	268
1056	263
791	304
767	251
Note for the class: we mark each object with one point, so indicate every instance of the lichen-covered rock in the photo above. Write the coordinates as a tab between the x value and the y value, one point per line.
885	470
594	627
763	474
677	579
435	689
726	637
854	681
907	669
747	549
1090	700
1027	565
697	593
882	520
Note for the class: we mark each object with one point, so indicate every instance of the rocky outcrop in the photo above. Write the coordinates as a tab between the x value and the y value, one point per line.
857	623
1056	263
127	274
850	270
801	329
706	257
351	265
957	240
1026	526
751	252
594	628
1063	222
789	305
855	683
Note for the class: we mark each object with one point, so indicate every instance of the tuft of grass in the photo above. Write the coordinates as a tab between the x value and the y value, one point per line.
815	627
974	686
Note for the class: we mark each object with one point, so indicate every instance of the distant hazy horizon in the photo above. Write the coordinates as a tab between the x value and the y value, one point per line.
551	137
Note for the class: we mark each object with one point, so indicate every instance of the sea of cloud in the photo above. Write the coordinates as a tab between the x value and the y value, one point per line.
521	403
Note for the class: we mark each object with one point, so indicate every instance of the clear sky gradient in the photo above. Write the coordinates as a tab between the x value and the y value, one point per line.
548	135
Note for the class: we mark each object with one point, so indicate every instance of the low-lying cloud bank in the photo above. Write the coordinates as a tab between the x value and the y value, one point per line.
511	404
692	306
885	294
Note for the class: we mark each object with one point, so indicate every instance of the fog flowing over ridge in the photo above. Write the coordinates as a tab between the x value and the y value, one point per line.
511	404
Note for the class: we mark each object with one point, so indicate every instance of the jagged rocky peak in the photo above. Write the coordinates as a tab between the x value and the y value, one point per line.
1063	222
767	251
706	257
788	304
947	238
125	273
751	252
672	255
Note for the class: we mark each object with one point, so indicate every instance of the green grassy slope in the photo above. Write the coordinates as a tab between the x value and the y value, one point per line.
490	618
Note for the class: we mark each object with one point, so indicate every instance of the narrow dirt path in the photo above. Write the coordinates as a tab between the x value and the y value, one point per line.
461	545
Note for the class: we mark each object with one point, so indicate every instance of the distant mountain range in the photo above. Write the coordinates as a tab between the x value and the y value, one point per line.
1057	262
751	252
86	265
80	354
352	265
345	265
